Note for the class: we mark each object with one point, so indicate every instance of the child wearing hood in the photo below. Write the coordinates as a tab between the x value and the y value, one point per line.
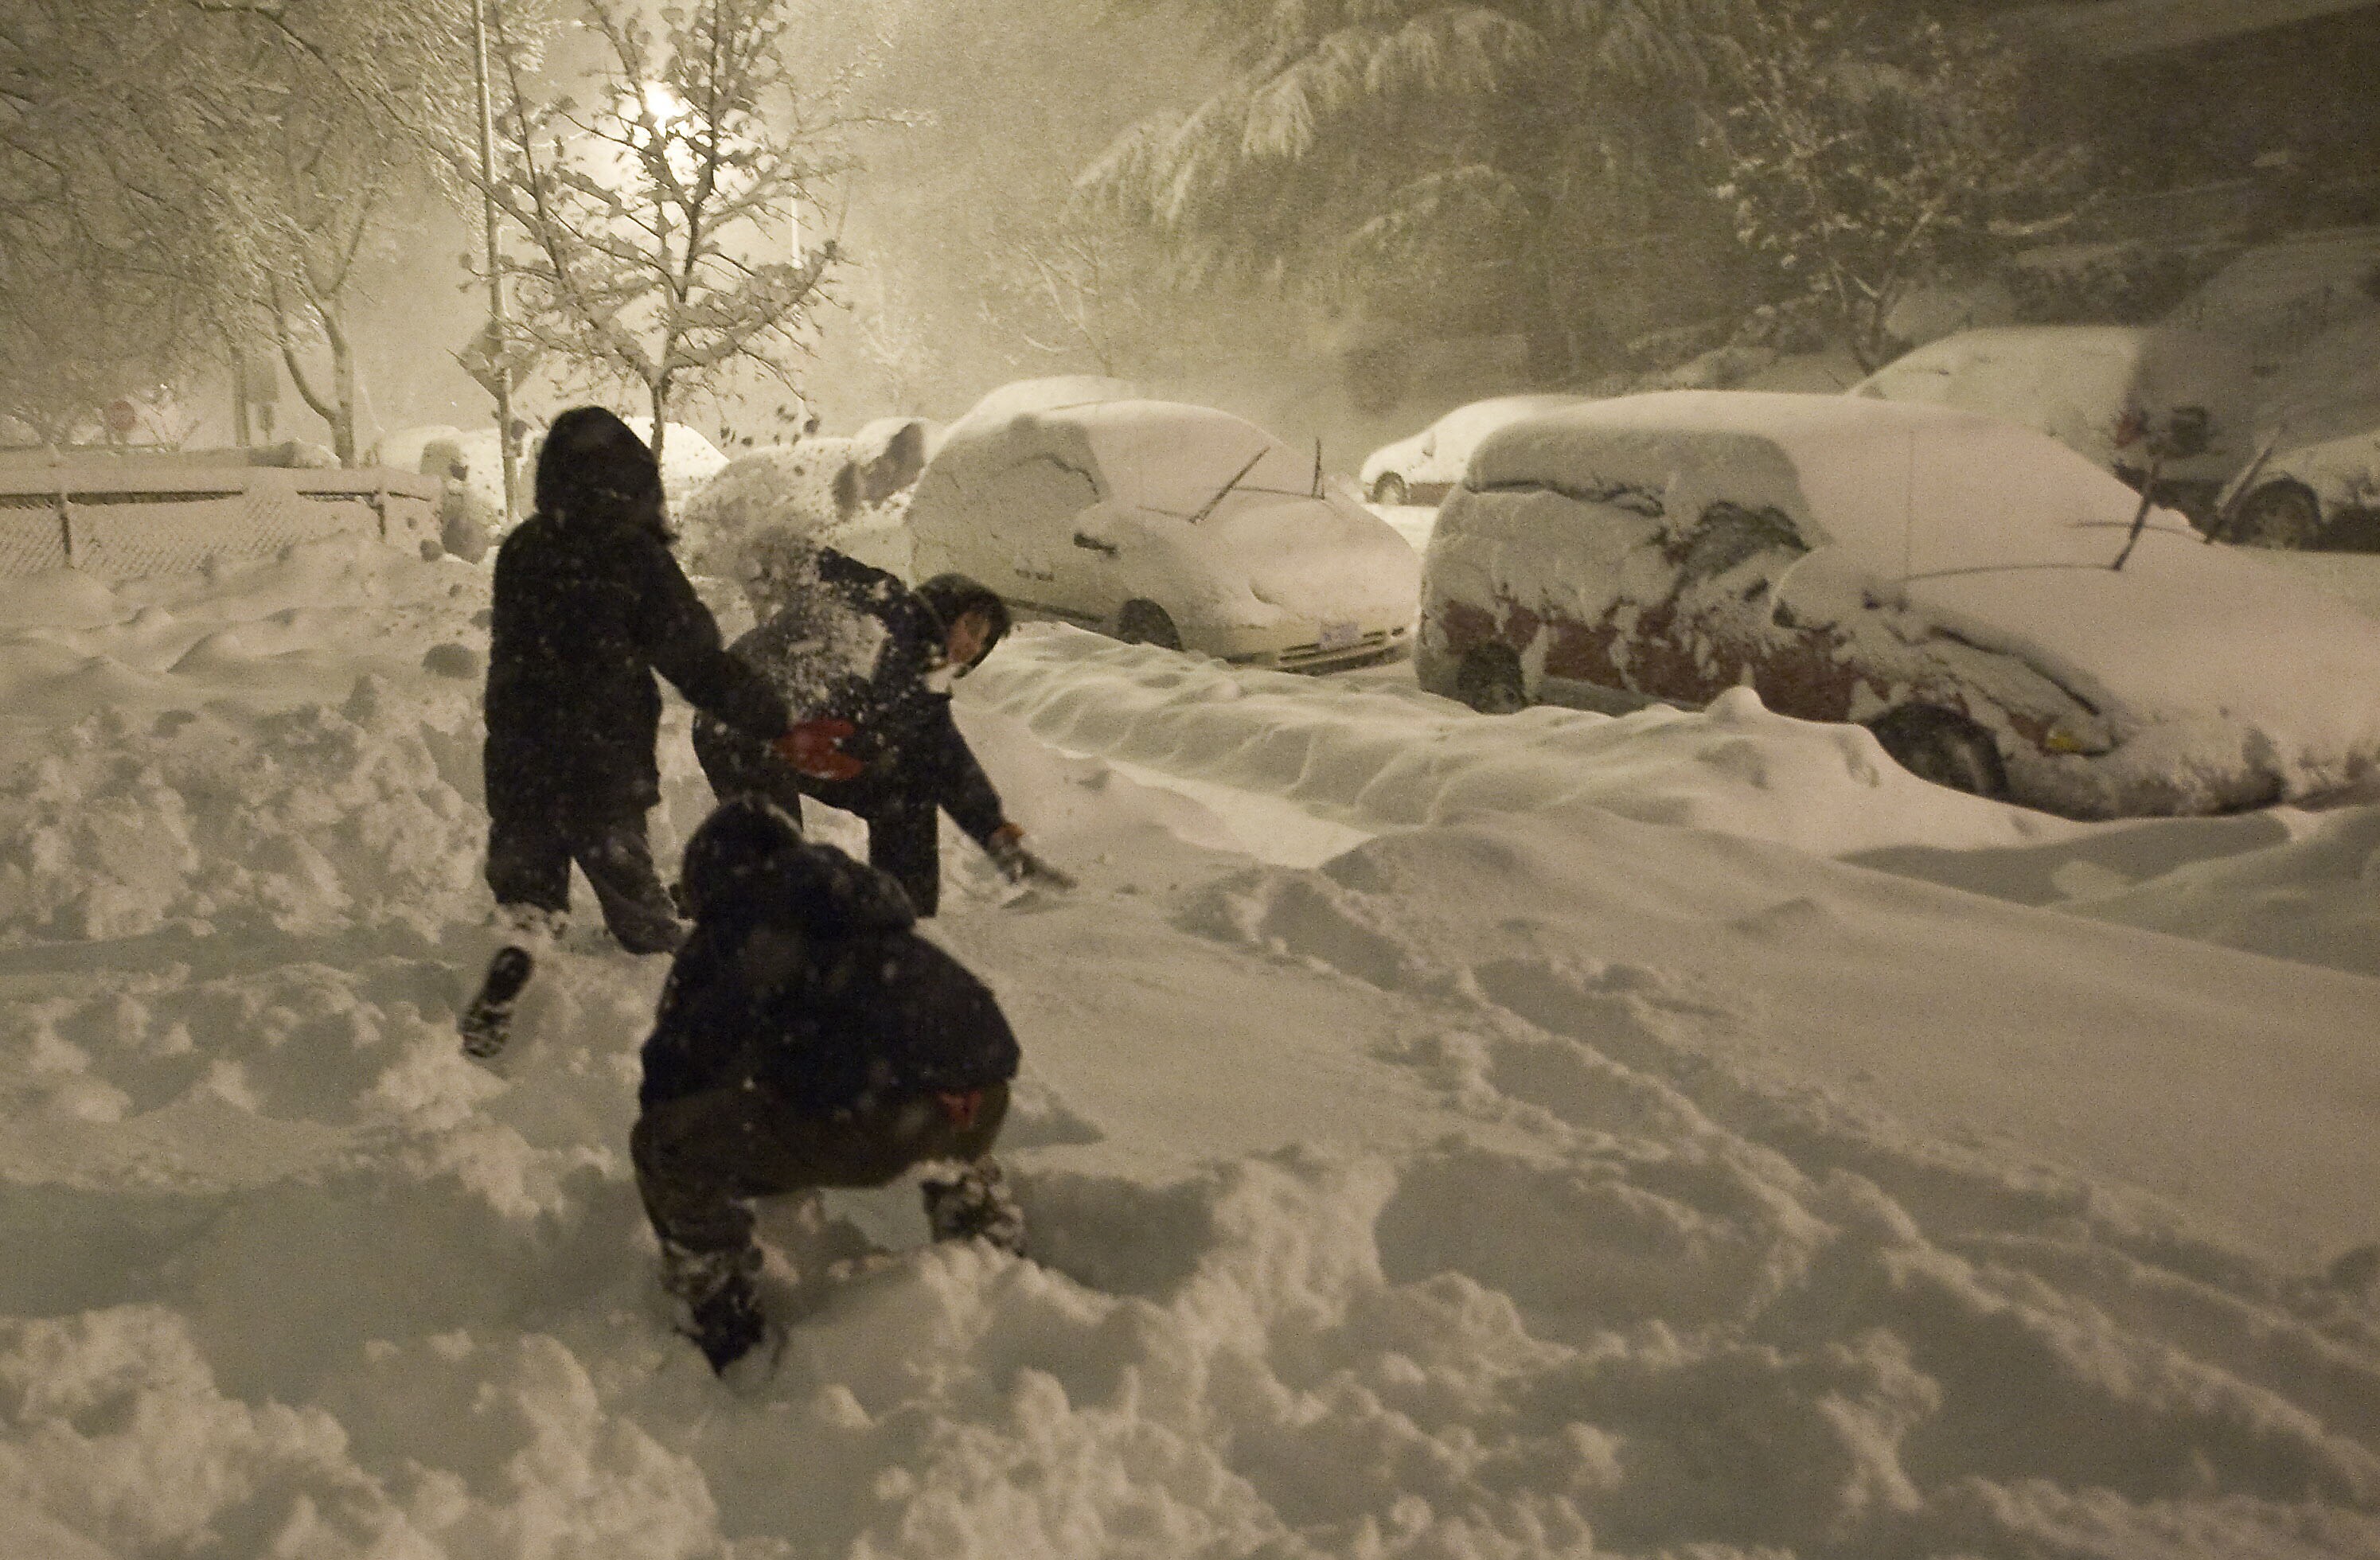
588	606
807	1037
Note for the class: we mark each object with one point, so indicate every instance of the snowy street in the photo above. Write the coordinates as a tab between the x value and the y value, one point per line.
1439	1134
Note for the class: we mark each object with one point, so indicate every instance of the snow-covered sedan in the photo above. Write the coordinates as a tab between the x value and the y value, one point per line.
1423	466
1167	524
2003	614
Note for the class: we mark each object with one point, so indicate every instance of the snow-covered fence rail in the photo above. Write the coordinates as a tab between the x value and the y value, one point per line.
131	518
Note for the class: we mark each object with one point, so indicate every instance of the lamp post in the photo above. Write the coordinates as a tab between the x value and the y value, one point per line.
496	318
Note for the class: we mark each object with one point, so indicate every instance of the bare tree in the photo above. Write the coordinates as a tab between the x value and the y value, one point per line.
660	217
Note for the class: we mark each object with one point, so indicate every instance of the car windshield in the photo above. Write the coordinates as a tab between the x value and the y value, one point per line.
1183	461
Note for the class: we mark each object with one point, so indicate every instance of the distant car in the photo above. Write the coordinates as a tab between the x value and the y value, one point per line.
688	459
2113	394
1946	578
2324	497
1166	523
1420	469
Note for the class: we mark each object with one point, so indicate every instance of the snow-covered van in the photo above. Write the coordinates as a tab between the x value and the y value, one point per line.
1422	468
1948	579
2107	392
1167	524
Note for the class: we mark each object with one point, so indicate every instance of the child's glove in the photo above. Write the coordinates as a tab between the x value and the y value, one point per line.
815	749
1006	848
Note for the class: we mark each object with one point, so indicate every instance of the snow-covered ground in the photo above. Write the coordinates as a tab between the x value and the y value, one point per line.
1442	1136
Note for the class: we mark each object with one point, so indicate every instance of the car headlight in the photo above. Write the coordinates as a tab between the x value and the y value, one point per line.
2060	740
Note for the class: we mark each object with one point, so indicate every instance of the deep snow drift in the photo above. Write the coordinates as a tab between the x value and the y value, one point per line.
1442	1136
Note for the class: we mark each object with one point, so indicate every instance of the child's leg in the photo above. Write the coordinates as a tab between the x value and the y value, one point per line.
529	871
966	1196
529	864
905	842
700	1158
619	865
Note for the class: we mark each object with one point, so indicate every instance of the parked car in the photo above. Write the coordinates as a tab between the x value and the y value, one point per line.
1946	578
688	459
1166	523
2324	497
1423	466
849	493
2110	392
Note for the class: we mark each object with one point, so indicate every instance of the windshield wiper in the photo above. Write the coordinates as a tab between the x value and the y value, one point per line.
1221	493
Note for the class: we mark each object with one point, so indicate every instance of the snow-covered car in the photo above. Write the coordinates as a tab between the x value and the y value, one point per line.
2322	497
1947	579
1167	524
847	493
688	459
2110	392
1421	467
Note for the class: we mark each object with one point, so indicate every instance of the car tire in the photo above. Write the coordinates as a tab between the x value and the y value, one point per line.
1389	487
1488	680
1145	623
2284	514
1943	747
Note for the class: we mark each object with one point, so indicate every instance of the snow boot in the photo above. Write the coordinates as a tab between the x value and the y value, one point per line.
486	1024
972	1201
723	1305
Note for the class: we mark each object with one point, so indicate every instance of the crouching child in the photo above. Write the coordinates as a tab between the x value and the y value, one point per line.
807	1037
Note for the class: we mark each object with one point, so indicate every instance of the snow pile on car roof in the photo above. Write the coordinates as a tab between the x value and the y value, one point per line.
1264	540
1924	488
2080	383
811	489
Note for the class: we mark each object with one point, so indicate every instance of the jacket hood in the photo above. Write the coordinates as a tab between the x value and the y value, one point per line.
748	861
593	468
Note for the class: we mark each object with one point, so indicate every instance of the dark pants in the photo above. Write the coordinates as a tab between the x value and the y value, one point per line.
700	1158
529	864
903	833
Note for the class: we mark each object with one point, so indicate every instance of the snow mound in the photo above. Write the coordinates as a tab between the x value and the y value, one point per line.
1402	757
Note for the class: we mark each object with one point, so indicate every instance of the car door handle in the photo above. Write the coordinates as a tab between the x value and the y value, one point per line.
1093	544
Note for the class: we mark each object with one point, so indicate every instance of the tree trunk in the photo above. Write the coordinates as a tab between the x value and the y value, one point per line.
240	431
323	407
343	385
660	418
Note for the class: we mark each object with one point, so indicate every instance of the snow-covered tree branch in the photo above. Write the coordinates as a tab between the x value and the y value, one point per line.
660	215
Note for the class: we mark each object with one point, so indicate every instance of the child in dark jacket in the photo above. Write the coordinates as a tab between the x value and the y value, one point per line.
588	606
807	1037
865	663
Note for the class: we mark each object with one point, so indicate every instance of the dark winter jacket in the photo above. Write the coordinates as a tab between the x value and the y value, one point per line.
805	975
589	605
853	642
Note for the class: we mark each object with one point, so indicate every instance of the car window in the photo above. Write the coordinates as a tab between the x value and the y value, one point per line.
1730	534
1032	495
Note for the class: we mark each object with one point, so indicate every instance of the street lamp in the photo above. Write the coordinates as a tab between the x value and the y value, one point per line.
498	336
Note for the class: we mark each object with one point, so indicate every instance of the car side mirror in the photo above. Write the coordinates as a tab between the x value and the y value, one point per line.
1822	589
2187	431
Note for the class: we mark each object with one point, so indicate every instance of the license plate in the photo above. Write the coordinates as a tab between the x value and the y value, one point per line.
1340	635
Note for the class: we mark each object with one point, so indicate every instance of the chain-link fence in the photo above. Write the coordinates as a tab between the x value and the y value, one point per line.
121	520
